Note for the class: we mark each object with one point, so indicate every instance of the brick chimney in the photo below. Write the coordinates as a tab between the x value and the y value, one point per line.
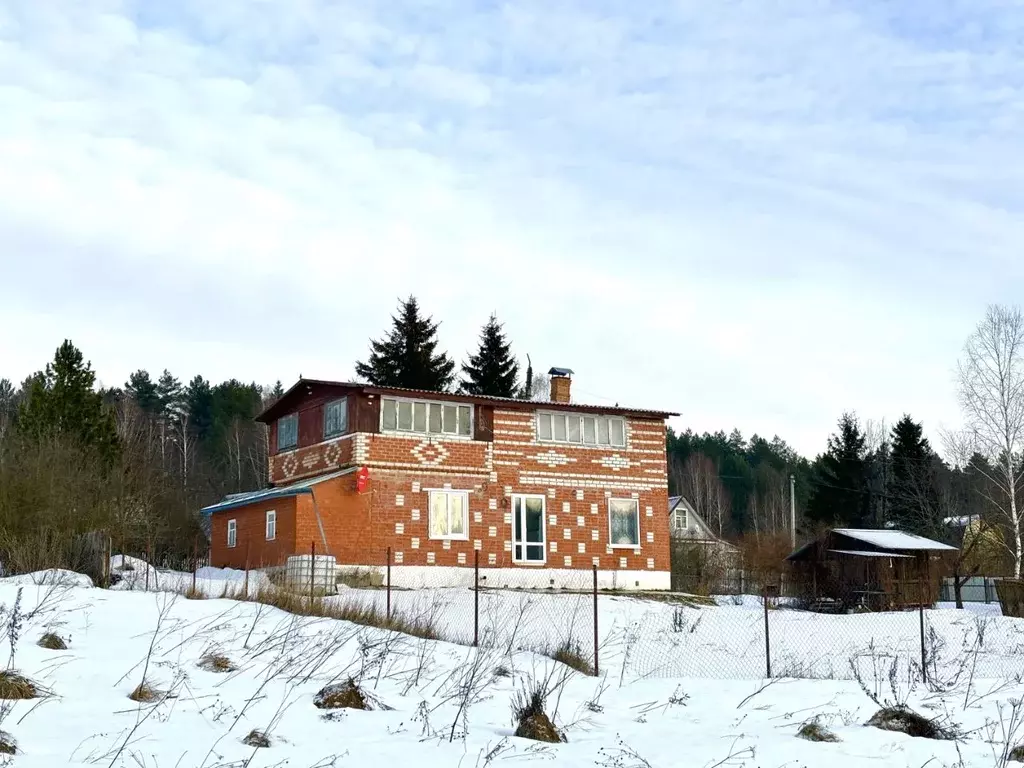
561	383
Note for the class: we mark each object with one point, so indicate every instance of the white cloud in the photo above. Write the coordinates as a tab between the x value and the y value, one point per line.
757	214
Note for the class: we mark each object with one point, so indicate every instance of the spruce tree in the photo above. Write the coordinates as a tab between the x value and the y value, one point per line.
911	491
492	370
61	401
199	406
841	494
407	357
143	390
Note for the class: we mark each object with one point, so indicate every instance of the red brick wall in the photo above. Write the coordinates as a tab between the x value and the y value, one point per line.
251	539
576	482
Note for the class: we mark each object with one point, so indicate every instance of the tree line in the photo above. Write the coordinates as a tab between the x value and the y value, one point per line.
143	458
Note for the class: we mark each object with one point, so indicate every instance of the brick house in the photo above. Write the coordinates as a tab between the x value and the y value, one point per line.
543	490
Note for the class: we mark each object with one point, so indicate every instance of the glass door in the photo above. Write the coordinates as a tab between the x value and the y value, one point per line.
528	539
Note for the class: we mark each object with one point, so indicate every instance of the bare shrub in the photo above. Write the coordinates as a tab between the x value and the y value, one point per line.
529	708
15	686
8	746
194	593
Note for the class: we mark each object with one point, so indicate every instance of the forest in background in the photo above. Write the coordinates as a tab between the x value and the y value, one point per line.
142	459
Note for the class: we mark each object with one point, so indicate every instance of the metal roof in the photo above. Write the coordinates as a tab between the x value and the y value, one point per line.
457	397
236	500
561	372
892	539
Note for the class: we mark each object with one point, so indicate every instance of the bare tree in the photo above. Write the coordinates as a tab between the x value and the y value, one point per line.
991	391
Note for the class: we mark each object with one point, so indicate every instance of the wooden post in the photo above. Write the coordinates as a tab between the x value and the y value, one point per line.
767	641
596	667
476	597
389	584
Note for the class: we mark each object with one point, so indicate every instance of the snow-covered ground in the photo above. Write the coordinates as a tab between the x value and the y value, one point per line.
624	719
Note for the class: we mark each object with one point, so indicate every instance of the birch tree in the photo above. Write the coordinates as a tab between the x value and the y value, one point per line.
991	392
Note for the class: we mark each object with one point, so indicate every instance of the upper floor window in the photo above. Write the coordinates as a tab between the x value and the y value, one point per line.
336	418
288	432
583	430
426	417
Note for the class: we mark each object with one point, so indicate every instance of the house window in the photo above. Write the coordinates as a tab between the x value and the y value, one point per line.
287	432
581	430
426	417
624	522
232	532
449	514
271	525
681	521
529	542
336	418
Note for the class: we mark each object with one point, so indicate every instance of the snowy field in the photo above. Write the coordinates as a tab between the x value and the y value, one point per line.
447	704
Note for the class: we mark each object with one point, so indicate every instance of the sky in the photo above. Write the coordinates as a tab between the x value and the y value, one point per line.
756	213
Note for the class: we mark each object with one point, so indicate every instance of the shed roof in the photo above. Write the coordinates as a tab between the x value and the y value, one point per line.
859	553
236	500
894	540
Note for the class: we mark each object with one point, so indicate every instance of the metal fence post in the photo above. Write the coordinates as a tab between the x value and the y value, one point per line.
767	637
149	559
596	665
312	572
389	584
195	562
247	569
924	660
476	598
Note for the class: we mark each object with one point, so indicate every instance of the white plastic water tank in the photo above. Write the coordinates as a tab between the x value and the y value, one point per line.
323	578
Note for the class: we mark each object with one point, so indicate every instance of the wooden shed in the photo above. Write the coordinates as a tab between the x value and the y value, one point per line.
878	570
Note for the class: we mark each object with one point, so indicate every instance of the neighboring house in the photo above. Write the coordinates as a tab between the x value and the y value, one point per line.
877	569
544	491
686	524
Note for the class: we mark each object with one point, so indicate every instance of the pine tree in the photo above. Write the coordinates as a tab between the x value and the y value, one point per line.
911	491
143	390
407	357
170	395
61	401
492	371
841	489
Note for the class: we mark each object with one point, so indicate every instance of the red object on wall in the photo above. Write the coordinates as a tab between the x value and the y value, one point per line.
362	478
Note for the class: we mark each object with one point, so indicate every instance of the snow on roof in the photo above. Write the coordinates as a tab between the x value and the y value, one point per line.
892	539
867	554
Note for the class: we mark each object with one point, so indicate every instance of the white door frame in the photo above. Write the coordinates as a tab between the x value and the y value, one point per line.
522	497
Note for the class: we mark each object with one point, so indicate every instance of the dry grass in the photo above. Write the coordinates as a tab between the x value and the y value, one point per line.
814	731
345	695
214	661
144	693
571	654
367	616
15	686
8	746
52	642
257	739
532	722
194	593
